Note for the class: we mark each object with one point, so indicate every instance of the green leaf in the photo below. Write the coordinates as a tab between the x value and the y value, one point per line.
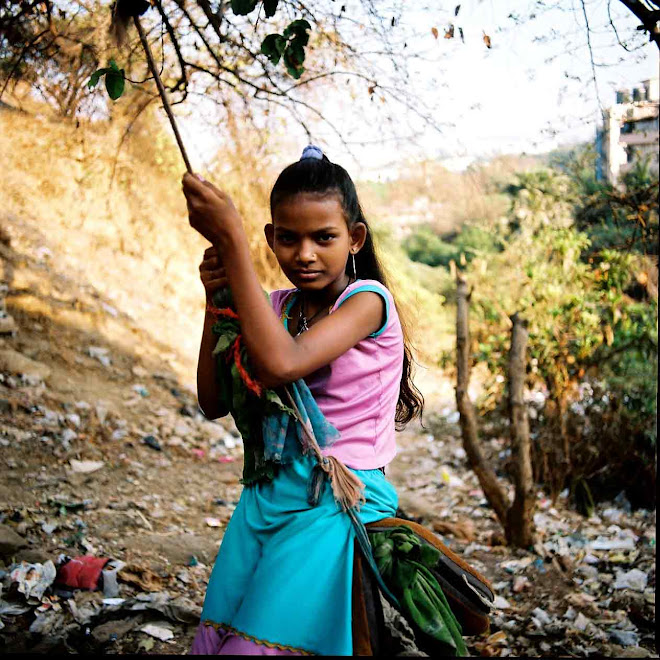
95	77
270	7
298	28
273	46
113	66
224	342
243	7
114	83
294	56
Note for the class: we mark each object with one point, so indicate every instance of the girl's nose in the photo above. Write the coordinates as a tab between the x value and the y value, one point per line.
306	253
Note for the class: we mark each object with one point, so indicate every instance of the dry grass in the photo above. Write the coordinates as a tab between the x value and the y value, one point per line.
116	219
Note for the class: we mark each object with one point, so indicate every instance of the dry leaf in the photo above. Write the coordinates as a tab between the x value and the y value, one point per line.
434	32
449	32
487	40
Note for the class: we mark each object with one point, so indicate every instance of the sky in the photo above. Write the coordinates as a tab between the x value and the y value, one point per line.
532	91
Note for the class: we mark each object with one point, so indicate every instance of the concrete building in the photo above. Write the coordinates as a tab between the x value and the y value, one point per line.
630	132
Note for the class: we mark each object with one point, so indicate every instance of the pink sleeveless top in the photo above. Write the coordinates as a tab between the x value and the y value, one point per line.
358	391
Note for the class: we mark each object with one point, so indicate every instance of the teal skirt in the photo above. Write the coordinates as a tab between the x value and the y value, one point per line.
284	571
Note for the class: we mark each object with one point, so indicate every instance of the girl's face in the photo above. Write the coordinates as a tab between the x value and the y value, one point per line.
311	241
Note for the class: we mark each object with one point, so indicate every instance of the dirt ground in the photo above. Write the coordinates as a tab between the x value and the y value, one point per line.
103	452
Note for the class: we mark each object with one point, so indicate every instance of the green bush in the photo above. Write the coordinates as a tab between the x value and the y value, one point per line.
428	248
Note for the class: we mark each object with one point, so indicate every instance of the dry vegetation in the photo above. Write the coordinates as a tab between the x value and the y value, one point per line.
104	199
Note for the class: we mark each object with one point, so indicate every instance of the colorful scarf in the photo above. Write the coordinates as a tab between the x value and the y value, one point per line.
270	431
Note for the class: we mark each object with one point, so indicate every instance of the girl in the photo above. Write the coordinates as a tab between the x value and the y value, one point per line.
281	583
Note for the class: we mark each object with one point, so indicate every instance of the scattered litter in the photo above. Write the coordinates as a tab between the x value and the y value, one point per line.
542	616
581	622
48	528
151	441
110	571
213	522
74	419
85	467
34	579
603	543
139	371
81	572
519	583
624	637
141	390
501	603
67	436
101	354
633	579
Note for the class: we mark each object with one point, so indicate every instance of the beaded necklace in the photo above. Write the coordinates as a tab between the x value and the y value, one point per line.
303	320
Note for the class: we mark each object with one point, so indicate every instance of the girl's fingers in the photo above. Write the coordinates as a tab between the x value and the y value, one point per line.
217	284
208	275
211	263
212	269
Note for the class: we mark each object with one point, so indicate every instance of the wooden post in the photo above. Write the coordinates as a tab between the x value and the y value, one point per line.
493	491
520	519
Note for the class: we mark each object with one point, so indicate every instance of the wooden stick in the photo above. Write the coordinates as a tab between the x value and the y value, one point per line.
161	91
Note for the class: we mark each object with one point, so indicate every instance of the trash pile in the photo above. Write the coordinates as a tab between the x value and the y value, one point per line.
586	588
84	603
115	492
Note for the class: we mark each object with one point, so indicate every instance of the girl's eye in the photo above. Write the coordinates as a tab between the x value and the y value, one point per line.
324	238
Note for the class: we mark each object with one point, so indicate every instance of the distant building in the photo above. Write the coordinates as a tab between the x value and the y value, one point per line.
629	132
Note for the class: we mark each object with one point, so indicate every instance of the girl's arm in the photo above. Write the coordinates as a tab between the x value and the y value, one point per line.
277	357
208	395
213	277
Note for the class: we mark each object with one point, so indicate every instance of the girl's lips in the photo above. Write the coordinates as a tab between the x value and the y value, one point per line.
307	276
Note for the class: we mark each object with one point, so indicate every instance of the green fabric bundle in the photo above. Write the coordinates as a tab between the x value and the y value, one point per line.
405	564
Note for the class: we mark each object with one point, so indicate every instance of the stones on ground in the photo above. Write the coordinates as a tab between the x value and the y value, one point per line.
111	631
101	354
14	362
10	542
7	324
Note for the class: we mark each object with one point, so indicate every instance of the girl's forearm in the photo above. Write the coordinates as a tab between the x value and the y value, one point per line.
208	395
271	348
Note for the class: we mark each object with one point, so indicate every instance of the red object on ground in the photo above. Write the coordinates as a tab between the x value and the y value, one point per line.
82	572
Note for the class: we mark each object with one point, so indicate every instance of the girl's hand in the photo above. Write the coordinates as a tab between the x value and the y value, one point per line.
212	272
210	211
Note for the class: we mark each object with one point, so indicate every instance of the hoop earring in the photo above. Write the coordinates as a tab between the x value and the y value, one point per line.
354	269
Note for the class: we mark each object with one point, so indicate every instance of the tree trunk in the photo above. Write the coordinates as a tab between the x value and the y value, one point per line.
520	517
493	491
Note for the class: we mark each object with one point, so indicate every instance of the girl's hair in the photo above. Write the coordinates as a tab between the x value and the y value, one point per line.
321	177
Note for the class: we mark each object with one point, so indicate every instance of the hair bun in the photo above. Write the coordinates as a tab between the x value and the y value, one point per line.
312	151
